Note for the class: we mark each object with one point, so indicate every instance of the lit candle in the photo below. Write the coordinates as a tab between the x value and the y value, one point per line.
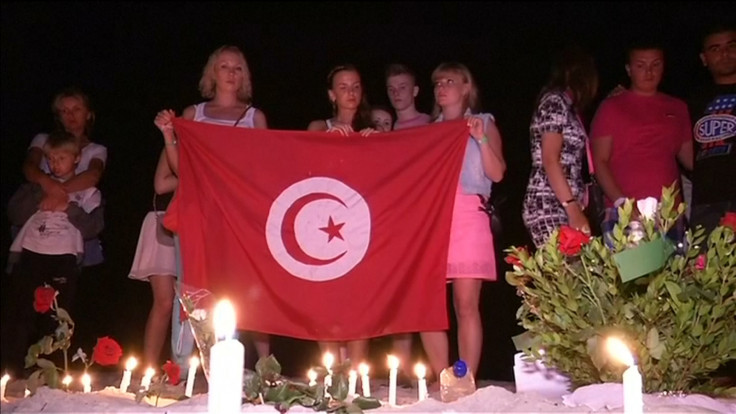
364	380
3	383
352	382
26	393
421	371
193	365
87	382
312	375
67	381
393	365
226	363
633	399
129	367
146	381
328	359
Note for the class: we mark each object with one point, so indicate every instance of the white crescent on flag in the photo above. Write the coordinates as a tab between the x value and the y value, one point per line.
318	229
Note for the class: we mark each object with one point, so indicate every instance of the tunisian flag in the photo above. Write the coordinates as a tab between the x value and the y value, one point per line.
318	236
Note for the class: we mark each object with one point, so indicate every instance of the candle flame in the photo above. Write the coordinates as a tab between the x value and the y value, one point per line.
363	368
131	364
352	374
328	359
67	380
620	351
194	361
224	319
86	380
312	375
149	372
420	370
393	362
5	379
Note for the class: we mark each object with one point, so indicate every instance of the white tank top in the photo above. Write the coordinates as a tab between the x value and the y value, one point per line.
244	122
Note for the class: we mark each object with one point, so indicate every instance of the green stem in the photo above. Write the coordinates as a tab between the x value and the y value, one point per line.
587	281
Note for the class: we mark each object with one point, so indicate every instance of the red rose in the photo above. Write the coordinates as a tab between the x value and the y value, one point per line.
173	371
729	220
516	260
43	298
571	240
106	352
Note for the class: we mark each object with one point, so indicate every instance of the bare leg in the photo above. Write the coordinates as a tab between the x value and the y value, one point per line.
466	298
437	349
159	318
402	349
357	352
262	344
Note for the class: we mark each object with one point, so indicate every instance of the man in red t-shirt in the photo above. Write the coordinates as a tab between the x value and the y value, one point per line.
640	134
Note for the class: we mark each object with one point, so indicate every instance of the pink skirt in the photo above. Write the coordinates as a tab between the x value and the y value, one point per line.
471	254
154	254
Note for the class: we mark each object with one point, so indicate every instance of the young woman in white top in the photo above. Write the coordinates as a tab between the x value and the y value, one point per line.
226	85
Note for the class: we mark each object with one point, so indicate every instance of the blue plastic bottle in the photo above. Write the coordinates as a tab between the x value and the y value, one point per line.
456	381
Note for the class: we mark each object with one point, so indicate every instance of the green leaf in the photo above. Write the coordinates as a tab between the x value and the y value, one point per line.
268	367
652	339
45	363
657	351
366	403
34	381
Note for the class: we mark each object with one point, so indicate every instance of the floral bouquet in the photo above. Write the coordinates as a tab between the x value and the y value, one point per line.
198	305
674	308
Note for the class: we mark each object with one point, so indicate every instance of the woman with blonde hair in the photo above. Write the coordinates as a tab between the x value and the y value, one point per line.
471	254
227	88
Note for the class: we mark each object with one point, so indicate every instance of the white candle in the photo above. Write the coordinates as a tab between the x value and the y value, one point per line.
393	365
421	371
226	363
67	381
3	383
327	360
193	365
312	375
129	367
352	382
632	382
364	380
87	382
146	381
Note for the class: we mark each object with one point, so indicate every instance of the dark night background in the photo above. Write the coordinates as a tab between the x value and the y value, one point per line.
137	58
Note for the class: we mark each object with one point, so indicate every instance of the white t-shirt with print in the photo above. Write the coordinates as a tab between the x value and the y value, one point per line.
51	232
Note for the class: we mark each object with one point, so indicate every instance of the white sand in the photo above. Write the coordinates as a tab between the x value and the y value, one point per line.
487	399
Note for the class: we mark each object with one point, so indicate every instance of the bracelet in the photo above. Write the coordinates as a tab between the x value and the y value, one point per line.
170	142
483	140
568	202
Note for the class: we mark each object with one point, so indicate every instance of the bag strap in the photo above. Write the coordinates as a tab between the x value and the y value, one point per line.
241	116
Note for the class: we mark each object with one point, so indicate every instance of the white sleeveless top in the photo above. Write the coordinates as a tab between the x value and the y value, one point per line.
244	122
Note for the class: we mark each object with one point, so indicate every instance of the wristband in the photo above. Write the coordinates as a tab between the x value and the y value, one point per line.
482	140
568	202
170	142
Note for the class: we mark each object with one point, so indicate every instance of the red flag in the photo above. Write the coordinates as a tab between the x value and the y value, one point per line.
318	236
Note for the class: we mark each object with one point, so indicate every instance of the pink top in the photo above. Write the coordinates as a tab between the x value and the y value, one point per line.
419	120
647	133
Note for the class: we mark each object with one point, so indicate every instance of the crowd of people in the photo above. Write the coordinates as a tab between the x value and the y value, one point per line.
640	139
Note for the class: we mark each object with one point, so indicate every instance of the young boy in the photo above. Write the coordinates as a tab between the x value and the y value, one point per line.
49	246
